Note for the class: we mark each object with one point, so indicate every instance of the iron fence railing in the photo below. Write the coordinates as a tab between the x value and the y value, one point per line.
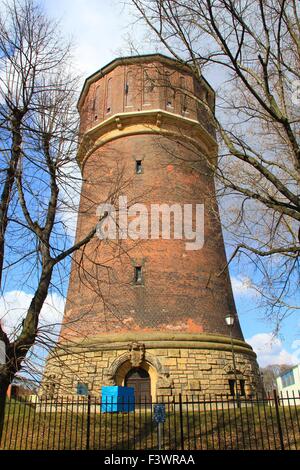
191	423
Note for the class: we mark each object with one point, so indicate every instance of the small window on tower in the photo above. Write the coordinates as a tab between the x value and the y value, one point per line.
129	89
108	95
170	98
138	275
232	387
138	167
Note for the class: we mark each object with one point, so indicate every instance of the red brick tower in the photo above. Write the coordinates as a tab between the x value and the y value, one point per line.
149	312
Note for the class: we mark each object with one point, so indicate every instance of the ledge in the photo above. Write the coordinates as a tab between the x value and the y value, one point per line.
154	121
153	340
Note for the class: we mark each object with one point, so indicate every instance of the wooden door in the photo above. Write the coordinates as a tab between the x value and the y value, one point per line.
139	379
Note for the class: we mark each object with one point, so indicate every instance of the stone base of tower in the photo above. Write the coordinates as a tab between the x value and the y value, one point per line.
191	364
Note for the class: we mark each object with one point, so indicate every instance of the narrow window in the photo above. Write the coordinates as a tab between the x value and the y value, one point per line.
138	275
232	387
170	92
96	103
108	96
242	388
138	167
183	96
170	98
148	85
129	89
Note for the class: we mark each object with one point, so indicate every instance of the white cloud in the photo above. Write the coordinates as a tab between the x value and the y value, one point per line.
242	286
270	350
97	28
296	344
13	307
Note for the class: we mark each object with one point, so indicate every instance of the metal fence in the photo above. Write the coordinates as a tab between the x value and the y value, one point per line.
191	423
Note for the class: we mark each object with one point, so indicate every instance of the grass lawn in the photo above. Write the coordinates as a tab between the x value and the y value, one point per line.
30	426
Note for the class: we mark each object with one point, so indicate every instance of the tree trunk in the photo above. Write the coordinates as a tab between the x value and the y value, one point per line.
4	383
9	181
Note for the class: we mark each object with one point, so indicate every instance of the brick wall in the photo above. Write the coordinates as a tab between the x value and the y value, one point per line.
129	114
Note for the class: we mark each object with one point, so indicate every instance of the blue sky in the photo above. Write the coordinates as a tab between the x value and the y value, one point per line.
99	29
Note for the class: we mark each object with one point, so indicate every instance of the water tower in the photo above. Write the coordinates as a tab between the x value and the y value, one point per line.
149	312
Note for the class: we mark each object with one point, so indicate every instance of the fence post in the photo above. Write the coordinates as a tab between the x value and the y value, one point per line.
278	420
181	422
88	424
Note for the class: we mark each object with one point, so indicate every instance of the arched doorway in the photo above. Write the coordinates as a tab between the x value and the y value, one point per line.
139	379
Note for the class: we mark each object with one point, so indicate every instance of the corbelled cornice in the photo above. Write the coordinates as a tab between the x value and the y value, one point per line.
154	121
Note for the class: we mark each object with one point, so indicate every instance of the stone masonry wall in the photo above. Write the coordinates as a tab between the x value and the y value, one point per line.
180	370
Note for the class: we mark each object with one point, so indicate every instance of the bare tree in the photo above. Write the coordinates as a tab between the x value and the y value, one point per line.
270	374
254	48
38	139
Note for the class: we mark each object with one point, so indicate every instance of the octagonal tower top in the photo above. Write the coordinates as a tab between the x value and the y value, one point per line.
144	83
148	93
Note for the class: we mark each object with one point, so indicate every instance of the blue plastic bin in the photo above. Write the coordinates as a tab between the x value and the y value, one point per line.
116	399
